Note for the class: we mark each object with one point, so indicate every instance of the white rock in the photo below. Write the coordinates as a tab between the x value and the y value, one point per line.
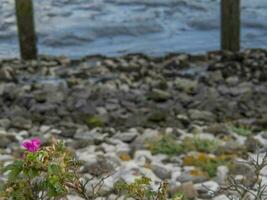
221	197
261	139
108	147
72	197
206	136
176	173
122	148
141	156
222	173
4	158
44	128
87	153
209	187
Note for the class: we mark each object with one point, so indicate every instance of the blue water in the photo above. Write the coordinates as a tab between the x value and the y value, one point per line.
77	28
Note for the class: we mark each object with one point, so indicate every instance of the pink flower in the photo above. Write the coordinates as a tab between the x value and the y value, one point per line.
32	145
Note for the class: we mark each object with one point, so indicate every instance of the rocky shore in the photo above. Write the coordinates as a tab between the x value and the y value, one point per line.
114	111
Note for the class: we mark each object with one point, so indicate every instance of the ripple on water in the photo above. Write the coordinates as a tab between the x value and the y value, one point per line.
111	27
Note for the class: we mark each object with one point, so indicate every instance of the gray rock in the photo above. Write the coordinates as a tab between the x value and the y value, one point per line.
252	144
161	171
148	134
207	189
186	85
159	95
6	140
92	136
216	76
128	136
157	115
21	123
5	123
199	115
188	190
186	177
101	166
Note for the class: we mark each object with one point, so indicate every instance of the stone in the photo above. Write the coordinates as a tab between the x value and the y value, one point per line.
21	123
216	76
161	171
222	174
128	136
157	116
187	176
221	197
252	144
186	85
217	129
143	156
199	115
5	158
141	140
5	123
207	189
6	74
231	81
94	136
159	95
6	140
72	197
188	190
101	166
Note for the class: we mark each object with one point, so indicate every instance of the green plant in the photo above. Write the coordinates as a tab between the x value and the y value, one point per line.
140	189
201	145
169	145
165	145
206	163
240	130
94	121
45	173
179	196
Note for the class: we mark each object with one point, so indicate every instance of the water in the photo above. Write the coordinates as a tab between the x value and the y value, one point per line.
112	27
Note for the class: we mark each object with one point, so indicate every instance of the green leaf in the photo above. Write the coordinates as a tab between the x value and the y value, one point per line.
14	169
54	169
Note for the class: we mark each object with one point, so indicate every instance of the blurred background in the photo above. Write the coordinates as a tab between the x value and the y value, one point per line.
77	28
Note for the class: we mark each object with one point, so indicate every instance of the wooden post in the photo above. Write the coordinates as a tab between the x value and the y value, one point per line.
26	32
230	25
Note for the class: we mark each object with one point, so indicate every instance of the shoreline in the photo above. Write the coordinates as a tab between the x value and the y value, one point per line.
133	86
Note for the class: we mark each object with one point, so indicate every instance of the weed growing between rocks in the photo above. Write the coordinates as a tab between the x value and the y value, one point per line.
240	130
165	145
206	164
50	172
140	189
168	145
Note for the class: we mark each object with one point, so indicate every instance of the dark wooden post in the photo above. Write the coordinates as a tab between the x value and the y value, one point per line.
230	25
26	31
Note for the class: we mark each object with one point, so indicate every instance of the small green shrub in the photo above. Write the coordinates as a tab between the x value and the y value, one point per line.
206	163
240	130
140	189
165	145
44	173
200	145
94	121
169	145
